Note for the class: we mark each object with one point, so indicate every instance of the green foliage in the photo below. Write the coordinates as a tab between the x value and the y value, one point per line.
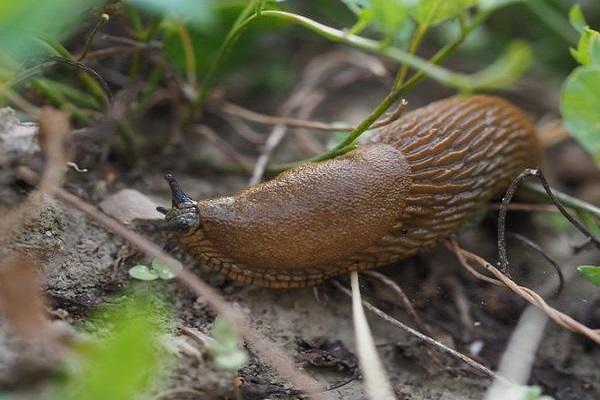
123	364
591	272
588	48
226	349
580	94
589	221
390	16
195	12
24	20
534	393
157	270
577	19
580	102
490	5
434	12
509	66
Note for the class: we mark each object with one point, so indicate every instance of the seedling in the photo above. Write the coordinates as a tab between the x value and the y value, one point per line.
157	270
591	272
226	349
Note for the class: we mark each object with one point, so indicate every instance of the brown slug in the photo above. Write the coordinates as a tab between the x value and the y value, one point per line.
407	187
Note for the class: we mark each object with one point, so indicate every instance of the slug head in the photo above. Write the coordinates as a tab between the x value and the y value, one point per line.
184	216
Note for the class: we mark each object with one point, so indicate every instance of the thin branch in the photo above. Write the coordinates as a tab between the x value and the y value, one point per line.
103	20
440	346
225	147
239	111
503	260
376	382
525	207
529	295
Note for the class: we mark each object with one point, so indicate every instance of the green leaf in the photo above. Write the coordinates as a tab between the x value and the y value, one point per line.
123	365
490	5
591	272
196	12
24	20
589	221
434	12
390	16
226	349
163	271
232	361
142	273
580	105
505	70
577	19
357	6
588	48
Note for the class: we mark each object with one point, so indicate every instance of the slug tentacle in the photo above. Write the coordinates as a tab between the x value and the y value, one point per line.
410	185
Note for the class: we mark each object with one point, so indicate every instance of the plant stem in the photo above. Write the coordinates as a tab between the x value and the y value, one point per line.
443	75
348	143
241	23
565	199
188	51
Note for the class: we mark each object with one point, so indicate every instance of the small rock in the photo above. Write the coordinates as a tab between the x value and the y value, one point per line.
128	205
17	139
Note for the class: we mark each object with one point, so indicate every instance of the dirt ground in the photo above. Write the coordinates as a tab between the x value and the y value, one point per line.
85	267
81	273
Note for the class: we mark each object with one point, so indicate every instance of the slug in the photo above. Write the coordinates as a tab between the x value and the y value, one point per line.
408	186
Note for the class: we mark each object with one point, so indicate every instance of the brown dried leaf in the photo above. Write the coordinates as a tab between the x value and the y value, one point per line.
21	300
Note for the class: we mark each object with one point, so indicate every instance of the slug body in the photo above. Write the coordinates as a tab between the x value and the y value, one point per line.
410	185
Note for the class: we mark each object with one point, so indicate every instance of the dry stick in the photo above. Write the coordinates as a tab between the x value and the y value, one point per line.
244	130
88	41
525	207
503	260
440	346
407	306
526	293
402	296
263	347
239	111
224	146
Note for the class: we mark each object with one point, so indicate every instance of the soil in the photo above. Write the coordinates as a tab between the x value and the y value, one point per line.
85	266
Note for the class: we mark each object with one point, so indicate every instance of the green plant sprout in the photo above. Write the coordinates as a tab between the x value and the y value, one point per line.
157	270
534	393
590	272
226	350
580	96
125	363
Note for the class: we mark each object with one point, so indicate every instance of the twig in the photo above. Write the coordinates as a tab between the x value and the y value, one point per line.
239	111
263	347
526	293
402	296
503	260
225	147
54	60
440	346
525	207
565	199
376	382
103	20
